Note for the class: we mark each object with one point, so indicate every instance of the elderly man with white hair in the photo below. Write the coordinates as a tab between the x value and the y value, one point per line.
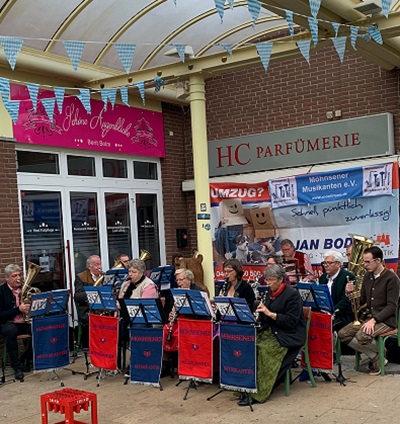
336	277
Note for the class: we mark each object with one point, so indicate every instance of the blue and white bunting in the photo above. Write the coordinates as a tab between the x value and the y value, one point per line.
227	47
219	5
108	94
59	92
353	36
264	50
48	104
289	20
386	5
12	107
12	47
336	27
376	35
340	46
159	83
5	88
33	93
125	54
314	7
366	36
180	48
230	2
84	97
304	47
313	23
74	50
124	95
140	86
254	7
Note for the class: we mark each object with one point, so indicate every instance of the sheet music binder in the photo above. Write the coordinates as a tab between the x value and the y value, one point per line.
142	311
234	309
49	303
192	302
317	296
100	298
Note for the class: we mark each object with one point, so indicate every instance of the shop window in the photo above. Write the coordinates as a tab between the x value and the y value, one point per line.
81	165
37	163
113	168
145	170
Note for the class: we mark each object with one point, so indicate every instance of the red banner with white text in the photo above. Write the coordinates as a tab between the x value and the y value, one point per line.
103	341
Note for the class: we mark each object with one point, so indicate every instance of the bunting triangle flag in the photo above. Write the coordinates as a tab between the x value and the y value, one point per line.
74	50
264	51
376	35
353	36
313	23
159	83
125	54
336	27
108	94
12	47
48	104
5	88
140	86
304	47
219	5
59	92
227	47
254	7
180	48
12	107
231	3
84	97
386	5
340	46
124	95
33	93
289	20
314	7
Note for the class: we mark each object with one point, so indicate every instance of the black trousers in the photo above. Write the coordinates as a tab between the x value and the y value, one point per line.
11	331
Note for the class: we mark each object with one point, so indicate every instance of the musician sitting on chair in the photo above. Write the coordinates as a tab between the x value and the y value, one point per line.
137	285
380	291
122	260
336	277
302	270
12	322
282	334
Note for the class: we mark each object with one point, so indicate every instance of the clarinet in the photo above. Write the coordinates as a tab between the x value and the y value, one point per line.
171	324
257	315
224	289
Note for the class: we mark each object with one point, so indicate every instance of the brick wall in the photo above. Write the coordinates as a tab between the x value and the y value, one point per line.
10	231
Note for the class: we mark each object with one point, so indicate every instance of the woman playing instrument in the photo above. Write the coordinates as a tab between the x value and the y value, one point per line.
234	286
282	332
138	285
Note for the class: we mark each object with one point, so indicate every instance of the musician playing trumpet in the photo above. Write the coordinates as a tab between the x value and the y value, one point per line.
282	333
12	322
380	291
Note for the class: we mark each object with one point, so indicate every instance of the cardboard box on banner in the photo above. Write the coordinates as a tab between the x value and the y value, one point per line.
248	230
232	212
263	221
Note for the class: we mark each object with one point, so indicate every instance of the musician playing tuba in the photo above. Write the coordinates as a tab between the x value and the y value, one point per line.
380	291
12	322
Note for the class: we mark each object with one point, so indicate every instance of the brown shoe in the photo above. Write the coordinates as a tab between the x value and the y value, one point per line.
374	367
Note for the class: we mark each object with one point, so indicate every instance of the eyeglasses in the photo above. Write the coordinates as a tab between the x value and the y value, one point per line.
328	263
228	270
368	262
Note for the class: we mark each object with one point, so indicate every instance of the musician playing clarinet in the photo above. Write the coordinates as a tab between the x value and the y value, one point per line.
282	333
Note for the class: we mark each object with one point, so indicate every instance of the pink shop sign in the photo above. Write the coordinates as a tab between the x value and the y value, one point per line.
126	130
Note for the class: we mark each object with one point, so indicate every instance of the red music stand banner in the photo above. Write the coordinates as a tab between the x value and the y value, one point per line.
195	350
103	341
320	342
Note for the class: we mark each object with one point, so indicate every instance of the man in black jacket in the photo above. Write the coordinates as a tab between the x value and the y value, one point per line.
11	317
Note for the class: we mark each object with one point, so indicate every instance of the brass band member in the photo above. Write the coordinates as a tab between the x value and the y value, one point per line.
12	322
234	286
380	291
303	270
282	333
138	285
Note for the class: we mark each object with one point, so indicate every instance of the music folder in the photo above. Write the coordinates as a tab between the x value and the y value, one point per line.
305	292
49	303
100	298
142	311
317	296
234	309
192	302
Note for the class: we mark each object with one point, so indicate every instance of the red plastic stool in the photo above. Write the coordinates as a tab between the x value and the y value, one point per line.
67	401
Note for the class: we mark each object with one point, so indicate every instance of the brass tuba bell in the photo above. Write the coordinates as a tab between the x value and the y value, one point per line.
27	291
145	255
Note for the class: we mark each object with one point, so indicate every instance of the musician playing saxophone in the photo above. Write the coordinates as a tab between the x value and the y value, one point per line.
281	335
380	291
12	322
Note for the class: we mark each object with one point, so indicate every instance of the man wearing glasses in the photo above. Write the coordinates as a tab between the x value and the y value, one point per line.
380	291
336	277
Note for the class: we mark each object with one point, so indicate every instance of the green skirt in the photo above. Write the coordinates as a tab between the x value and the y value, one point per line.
270	356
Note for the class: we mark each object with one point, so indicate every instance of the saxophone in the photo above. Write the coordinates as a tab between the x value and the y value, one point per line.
27	291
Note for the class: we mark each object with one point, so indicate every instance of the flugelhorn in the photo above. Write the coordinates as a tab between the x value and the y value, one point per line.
145	255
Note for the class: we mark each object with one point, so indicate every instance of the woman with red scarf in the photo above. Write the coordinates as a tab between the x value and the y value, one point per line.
282	333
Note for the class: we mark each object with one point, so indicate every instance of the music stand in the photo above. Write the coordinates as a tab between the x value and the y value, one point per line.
163	276
115	277
140	311
306	294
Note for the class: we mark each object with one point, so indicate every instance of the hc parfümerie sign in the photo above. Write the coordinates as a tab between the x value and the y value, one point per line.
356	138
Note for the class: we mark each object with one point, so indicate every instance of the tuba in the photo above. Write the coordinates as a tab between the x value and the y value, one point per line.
27	291
145	255
360	243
